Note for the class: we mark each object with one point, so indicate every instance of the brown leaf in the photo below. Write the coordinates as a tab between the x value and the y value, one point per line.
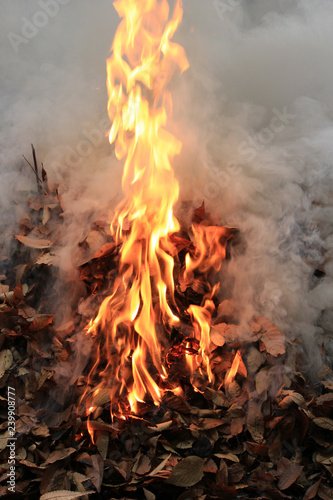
255	421
226	308
49	259
160	466
40	321
64	495
325	493
187	472
95	473
324	423
227	456
292	397
57	455
217	334
312	491
271	336
148	494
33	242
6	361
289	476
104	250
41	430
199	213
144	466
102	443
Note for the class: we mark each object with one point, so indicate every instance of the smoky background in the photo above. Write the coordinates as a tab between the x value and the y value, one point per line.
254	113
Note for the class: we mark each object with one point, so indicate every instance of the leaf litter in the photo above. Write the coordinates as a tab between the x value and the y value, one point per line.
249	440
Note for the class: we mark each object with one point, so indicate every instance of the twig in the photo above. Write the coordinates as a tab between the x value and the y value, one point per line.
32	168
36	168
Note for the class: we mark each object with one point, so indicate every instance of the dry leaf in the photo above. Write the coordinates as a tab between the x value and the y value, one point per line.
187	472
41	321
104	250
217	334
324	423
292	397
33	242
49	259
6	361
148	494
226	308
289	476
312	491
57	455
227	456
64	495
255	421
271	336
41	430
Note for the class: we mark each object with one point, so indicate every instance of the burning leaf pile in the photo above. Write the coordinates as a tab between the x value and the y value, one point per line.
264	433
175	400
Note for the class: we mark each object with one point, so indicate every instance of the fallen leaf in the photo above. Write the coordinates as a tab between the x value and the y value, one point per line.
104	250
57	455
312	491
324	423
289	476
148	494
40	321
292	397
33	242
187	472
6	361
160	466
227	456
64	495
271	336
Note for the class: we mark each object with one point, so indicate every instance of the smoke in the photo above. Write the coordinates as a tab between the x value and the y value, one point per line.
254	113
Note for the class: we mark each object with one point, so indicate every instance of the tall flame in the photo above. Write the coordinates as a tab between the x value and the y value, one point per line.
129	358
142	62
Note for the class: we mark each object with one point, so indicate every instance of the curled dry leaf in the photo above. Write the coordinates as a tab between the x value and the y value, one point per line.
292	397
104	250
32	242
187	472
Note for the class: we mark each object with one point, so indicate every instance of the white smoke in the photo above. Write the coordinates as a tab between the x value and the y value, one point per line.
254	112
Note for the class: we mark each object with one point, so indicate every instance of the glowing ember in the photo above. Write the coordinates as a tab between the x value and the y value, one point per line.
130	362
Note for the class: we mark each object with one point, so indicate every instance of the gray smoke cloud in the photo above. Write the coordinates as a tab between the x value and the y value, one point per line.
254	113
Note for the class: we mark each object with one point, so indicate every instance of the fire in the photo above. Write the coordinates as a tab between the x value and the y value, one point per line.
129	358
237	365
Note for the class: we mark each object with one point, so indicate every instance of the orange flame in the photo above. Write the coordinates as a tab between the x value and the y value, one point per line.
142	62
237	365
129	353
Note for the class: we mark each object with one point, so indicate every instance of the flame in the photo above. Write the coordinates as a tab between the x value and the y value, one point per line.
130	357
142	61
231	375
